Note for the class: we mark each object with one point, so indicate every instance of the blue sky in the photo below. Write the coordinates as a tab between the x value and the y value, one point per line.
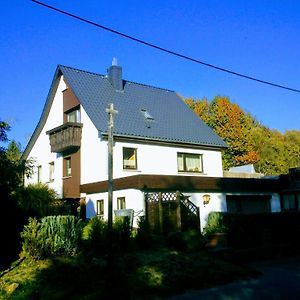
257	38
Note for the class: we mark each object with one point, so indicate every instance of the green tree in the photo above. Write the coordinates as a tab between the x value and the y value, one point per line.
12	220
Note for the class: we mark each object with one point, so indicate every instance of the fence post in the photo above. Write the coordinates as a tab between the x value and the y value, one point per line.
178	211
160	212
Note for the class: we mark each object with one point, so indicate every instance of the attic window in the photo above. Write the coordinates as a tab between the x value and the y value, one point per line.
147	115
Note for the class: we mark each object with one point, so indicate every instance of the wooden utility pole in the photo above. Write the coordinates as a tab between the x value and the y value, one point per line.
111	112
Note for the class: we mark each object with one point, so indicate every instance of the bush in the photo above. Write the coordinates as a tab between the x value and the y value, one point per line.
53	235
121	233
215	223
32	240
38	200
145	239
94	236
190	240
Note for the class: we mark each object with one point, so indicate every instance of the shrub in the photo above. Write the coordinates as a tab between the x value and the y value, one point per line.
215	223
62	234
121	233
38	200
94	236
32	245
145	239
53	235
190	240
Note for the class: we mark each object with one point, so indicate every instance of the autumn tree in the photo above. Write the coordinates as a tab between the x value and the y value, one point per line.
278	152
271	152
232	124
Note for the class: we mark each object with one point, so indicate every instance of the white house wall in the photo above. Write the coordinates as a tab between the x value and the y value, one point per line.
93	152
41	151
162	160
217	203
134	200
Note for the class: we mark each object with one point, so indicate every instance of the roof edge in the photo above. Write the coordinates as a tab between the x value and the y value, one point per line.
45	113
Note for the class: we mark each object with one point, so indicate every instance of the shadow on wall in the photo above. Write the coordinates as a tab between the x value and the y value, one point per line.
90	209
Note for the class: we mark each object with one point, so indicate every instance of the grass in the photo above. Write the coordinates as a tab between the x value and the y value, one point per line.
135	275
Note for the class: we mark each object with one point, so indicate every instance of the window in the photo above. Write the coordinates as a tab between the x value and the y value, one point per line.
248	204
289	202
129	158
188	162
73	116
39	174
67	166
51	171
121	204
100	209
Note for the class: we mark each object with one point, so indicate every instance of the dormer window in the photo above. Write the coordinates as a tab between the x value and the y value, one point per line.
73	115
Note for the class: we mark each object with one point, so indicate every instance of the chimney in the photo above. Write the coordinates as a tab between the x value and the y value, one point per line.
115	75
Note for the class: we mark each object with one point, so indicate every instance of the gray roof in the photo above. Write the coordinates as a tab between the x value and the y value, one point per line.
144	112
173	120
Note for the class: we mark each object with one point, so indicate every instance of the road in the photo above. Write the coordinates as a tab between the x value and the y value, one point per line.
280	279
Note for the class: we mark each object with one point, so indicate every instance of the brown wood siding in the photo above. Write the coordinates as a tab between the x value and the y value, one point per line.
186	183
71	184
69	101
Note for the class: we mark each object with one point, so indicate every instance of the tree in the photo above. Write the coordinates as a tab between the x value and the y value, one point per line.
271	152
231	123
11	220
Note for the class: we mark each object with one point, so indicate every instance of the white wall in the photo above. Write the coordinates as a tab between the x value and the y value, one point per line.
41	151
134	200
93	152
151	159
217	203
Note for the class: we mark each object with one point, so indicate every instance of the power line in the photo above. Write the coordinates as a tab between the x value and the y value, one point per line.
164	49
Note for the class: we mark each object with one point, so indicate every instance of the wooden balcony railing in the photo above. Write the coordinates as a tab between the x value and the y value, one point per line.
65	137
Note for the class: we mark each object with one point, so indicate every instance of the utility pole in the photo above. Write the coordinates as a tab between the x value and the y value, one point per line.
111	112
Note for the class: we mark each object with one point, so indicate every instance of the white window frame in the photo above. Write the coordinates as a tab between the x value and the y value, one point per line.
51	171
129	164
121	203
182	166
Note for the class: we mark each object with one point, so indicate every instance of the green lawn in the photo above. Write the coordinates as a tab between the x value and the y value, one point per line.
136	275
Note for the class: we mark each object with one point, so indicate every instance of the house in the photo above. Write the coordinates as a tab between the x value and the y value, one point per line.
163	152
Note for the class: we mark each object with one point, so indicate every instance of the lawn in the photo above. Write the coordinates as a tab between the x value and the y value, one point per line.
135	275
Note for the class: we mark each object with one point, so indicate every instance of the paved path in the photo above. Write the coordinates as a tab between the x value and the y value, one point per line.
280	279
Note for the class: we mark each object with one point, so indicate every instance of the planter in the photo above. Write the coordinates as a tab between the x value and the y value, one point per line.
217	240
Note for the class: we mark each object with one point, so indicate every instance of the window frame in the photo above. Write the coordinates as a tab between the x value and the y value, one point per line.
121	203
100	208
51	171
39	173
67	166
184	157
135	158
76	112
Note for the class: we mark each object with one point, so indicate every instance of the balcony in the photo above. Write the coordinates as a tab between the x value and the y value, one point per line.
65	137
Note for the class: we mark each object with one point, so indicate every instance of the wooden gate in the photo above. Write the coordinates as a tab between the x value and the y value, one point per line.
170	211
